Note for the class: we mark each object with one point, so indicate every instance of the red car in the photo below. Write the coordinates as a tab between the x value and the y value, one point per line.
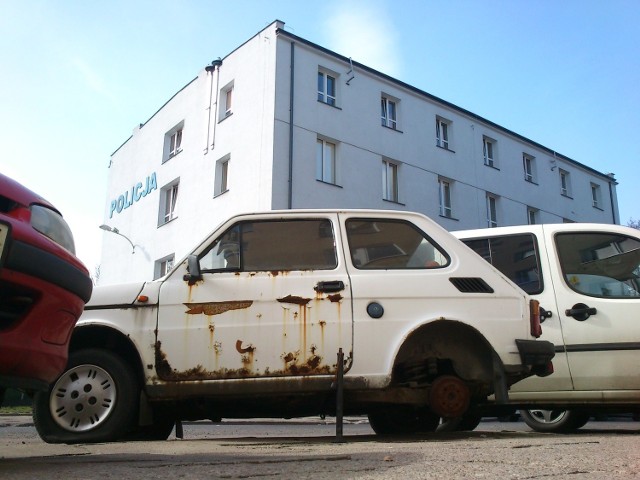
43	289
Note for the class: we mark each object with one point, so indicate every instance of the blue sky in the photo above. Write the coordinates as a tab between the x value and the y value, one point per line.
77	76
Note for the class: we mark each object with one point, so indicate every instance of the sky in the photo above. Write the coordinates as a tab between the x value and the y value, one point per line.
76	76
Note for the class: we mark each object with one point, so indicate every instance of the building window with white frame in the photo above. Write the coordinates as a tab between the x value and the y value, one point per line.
327	88
596	199
492	210
163	266
389	112
444	189
565	183
442	133
222	176
326	161
489	151
226	101
390	181
532	215
528	164
172	142
168	202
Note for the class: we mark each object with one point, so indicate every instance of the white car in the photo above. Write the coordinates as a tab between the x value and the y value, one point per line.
587	279
254	321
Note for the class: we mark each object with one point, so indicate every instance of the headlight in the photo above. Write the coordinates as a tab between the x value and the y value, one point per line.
51	224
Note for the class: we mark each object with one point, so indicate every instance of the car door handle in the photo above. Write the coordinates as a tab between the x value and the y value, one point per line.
580	312
329	287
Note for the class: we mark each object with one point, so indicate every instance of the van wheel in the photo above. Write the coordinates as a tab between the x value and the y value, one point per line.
403	421
94	400
554	421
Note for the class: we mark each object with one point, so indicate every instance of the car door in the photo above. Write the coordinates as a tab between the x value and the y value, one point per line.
273	301
522	257
597	284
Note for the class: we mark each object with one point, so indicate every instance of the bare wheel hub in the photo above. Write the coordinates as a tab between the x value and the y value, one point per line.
449	396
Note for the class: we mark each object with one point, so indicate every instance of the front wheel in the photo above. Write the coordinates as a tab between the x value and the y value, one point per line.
94	400
554	421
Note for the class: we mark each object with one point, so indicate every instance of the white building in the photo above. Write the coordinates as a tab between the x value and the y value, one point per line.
283	123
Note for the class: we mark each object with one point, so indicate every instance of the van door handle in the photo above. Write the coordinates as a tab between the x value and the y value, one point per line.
329	287
580	312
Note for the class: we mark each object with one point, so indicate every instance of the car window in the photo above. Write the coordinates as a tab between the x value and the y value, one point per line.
273	246
391	244
600	264
516	256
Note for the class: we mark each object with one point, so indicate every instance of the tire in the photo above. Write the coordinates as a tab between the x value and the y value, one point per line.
94	400
466	423
403	421
554	421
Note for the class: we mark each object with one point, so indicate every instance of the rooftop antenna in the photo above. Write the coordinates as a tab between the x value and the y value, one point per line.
350	72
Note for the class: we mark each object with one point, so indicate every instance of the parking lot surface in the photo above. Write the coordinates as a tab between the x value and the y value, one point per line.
308	448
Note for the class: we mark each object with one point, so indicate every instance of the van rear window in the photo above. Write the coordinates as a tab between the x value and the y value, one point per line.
516	256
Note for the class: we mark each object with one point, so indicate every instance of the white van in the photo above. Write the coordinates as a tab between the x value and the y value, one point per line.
587	278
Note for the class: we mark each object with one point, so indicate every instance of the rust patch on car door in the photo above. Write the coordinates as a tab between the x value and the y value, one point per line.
216	308
295	300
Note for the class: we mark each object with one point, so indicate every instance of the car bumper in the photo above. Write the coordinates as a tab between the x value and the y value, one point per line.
537	354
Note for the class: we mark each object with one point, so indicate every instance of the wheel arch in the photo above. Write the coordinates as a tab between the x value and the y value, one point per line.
445	347
101	336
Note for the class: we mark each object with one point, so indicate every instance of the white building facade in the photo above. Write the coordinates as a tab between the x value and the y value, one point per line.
283	123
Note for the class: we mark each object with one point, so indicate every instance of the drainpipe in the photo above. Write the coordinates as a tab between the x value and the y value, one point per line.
290	199
215	66
613	208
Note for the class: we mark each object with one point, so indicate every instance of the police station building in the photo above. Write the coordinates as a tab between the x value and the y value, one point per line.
283	123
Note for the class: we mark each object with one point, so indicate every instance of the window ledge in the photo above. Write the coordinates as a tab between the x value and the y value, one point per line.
445	148
167	222
531	182
598	208
223	118
329	105
172	156
566	196
491	166
329	183
449	218
220	194
396	202
392	129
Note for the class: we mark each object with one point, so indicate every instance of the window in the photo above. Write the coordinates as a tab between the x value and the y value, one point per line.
528	163
172	142
444	188
391	244
226	101
442	133
600	264
222	176
389	109
488	149
532	215
596	199
516	256
390	181
278	245
565	183
168	199
492	211
327	88
326	161
163	266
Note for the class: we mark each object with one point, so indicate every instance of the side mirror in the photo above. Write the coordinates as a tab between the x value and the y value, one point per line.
194	274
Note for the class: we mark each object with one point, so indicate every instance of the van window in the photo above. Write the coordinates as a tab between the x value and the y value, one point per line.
516	256
600	264
391	244
273	246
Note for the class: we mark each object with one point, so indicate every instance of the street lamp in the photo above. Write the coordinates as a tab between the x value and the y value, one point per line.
117	232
